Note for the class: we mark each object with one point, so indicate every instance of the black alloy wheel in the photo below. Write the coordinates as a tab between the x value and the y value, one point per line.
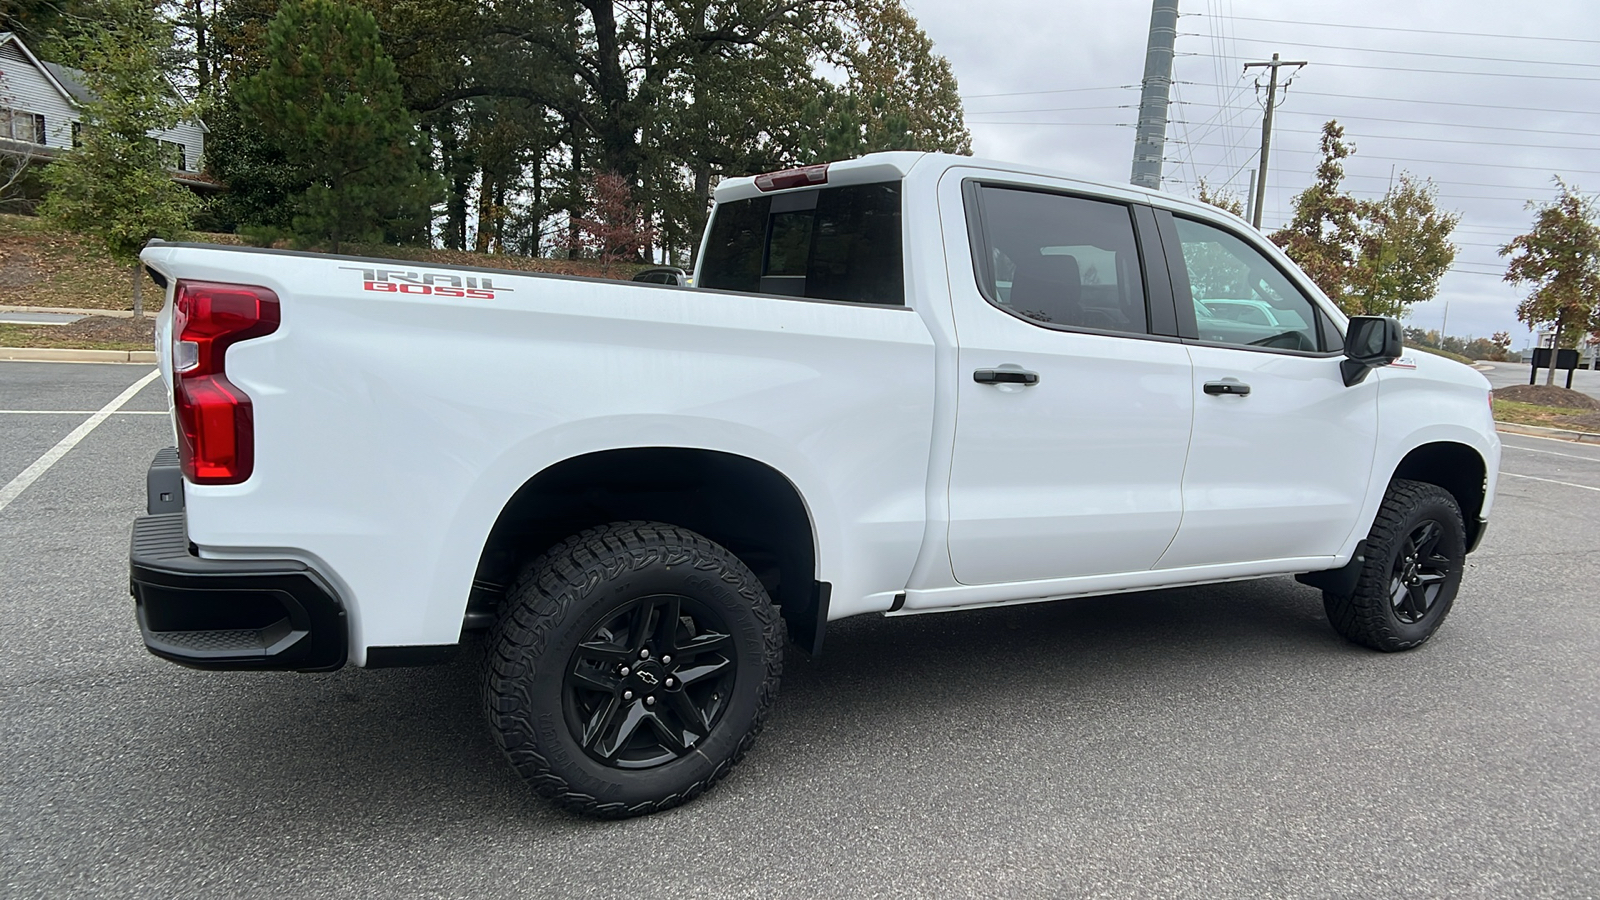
650	682
631	666
1419	574
1414	557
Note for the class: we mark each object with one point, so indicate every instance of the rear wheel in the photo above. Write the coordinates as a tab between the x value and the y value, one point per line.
1415	555
631	668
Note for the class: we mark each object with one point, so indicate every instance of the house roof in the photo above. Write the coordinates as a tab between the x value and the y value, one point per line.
69	81
11	37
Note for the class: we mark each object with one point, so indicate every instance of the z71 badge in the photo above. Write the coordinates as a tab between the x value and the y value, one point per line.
437	284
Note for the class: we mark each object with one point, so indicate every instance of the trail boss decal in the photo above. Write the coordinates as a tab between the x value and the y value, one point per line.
437	284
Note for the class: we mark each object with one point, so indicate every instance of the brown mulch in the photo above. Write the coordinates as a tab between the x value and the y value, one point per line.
1547	395
1587	422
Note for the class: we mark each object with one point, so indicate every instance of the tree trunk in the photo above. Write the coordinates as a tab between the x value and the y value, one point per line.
485	212
138	289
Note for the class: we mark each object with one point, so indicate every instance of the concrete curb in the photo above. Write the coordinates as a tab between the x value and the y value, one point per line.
58	354
1561	434
80	311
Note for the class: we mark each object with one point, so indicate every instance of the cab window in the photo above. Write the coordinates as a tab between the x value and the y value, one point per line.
1061	261
1240	297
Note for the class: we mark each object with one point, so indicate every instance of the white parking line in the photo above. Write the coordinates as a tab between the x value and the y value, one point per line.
1595	459
78	412
1551	481
41	465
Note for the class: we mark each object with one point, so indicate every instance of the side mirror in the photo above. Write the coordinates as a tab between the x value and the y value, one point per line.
1369	342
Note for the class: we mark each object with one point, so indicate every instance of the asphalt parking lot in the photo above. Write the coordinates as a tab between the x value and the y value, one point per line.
1207	742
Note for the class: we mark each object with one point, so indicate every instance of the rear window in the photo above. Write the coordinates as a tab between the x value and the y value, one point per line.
840	243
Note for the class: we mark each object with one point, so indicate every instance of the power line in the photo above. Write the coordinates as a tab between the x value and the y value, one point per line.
1536	62
1443	71
1115	87
1297	112
1427	140
1304	93
1448	162
1522	37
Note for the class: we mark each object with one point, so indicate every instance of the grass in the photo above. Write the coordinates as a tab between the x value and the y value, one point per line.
1444	353
1532	414
43	266
52	336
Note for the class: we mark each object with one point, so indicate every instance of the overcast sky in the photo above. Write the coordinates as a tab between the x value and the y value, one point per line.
1488	99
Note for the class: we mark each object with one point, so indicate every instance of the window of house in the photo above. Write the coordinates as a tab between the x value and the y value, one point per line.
22	126
173	156
840	243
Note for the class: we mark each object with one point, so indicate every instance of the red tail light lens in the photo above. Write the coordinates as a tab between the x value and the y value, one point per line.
792	178
216	427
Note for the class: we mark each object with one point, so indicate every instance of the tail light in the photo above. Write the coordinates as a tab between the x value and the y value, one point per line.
216	428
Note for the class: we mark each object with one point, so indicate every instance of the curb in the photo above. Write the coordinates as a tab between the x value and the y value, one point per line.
1561	434
80	311
58	354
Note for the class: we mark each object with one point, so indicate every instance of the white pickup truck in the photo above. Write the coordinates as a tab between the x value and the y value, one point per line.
903	384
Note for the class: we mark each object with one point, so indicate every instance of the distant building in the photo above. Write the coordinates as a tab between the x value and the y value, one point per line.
41	110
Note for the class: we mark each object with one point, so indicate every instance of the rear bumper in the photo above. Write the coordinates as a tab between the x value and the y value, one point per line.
229	614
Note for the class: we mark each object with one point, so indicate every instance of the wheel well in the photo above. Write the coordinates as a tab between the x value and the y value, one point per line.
1458	469
744	505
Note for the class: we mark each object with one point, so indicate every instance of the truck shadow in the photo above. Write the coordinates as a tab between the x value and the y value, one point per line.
411	743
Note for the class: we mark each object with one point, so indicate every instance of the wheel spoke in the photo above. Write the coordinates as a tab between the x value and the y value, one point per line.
1397	591
640	626
1419	601
600	722
608	747
706	642
1426	539
596	680
693	719
671	738
604	654
1432	577
691	674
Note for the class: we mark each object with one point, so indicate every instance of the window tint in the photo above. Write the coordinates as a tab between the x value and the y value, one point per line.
1062	261
838	243
1240	297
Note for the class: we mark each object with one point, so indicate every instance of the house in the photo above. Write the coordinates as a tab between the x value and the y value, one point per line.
41	106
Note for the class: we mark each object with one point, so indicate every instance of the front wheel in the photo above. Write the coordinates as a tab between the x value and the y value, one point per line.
1415	555
631	668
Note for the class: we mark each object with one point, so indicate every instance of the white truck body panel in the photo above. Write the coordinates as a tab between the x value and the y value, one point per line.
393	428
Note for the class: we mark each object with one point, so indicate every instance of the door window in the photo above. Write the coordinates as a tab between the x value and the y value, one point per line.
1060	261
1240	297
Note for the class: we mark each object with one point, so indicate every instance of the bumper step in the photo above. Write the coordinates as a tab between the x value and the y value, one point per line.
230	614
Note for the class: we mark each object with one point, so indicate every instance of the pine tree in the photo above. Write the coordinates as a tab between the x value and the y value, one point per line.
330	102
115	185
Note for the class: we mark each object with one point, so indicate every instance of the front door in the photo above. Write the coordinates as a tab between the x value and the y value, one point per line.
1279	462
1072	418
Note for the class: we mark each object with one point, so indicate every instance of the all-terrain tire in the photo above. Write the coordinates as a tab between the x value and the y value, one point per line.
1372	616
557	603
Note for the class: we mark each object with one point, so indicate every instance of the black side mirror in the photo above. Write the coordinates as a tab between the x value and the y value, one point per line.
1369	342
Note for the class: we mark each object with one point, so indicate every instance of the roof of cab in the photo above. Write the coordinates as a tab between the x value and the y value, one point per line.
893	165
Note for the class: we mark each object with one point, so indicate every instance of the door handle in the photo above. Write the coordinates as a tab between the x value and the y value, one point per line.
1005	376
1236	388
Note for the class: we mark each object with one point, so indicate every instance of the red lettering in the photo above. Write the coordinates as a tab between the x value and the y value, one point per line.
446	291
481	295
378	286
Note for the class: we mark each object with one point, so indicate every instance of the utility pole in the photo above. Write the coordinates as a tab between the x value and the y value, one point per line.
1266	128
1150	141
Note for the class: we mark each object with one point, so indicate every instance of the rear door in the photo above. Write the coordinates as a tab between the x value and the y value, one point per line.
1074	397
1278	465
